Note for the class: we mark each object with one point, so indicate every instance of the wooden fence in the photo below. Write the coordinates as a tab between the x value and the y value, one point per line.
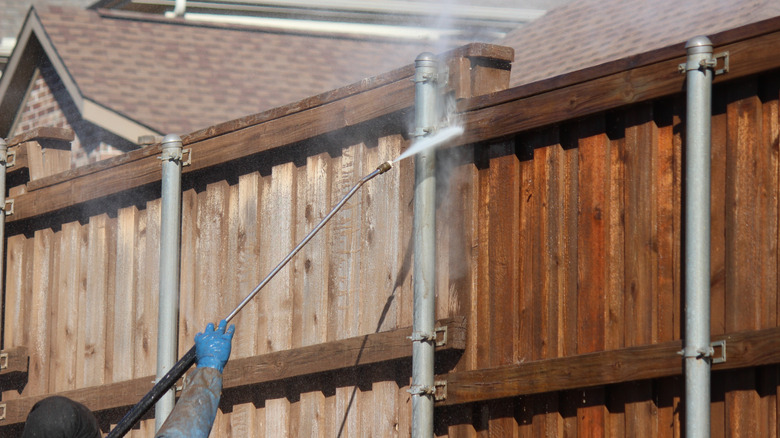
559	258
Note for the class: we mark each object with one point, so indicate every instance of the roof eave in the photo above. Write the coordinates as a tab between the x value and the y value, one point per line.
33	42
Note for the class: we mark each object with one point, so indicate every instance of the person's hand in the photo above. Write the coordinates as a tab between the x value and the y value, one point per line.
212	347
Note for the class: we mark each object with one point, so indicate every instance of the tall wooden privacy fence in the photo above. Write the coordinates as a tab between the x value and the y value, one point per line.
559	258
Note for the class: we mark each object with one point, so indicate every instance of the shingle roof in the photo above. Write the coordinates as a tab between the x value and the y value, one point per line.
176	77
587	33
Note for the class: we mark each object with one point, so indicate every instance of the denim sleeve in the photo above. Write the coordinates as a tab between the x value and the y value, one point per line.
193	415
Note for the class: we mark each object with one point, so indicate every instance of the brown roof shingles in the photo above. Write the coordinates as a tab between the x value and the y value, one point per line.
176	77
587	33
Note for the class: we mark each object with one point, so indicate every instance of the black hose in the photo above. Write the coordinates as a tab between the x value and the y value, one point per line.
155	394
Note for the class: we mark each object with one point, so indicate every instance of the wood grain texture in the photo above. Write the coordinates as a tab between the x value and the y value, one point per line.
744	349
345	354
743	268
592	264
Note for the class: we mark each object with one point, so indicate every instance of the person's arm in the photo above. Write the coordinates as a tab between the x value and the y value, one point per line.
193	416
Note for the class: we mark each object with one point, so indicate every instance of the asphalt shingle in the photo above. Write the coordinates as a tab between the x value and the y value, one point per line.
177	77
587	33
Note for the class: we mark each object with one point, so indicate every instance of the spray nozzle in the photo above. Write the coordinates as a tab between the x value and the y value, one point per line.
384	167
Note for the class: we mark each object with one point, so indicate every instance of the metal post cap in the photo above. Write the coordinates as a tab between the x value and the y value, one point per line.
171	141
425	57
698	44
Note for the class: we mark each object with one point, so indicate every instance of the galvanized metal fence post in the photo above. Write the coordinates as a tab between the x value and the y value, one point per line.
697	350
424	229
170	254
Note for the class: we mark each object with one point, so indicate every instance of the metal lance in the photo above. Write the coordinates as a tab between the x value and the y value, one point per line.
181	367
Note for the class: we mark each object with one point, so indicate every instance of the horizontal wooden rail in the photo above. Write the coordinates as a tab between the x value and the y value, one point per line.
43	133
298	362
604	88
743	349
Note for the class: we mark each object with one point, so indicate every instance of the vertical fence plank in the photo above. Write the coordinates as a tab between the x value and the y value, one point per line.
462	217
311	299
17	304
549	179
63	361
617	236
188	273
743	264
384	246
668	197
243	419
504	310
124	294
343	277
98	234
667	202
39	329
17	277
641	314
278	299
250	252
592	263
767	381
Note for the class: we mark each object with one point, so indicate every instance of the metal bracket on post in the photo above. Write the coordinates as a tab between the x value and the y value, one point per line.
422	390
725	57
431	337
440	392
709	63
186	162
173	154
443	331
2	411
3	361
710	352
422	337
10	158
715	346
8	208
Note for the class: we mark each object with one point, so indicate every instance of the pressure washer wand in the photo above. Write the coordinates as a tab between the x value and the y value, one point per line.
181	367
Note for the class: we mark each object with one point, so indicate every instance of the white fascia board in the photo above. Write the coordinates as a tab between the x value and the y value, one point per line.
114	122
57	62
311	26
395	7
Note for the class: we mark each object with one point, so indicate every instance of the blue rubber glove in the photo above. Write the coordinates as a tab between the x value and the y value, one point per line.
212	347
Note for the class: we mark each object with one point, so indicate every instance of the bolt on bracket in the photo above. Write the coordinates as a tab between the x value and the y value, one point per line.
709	352
422	390
177	155
708	63
431	337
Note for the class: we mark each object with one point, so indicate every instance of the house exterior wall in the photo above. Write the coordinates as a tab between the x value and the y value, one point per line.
48	104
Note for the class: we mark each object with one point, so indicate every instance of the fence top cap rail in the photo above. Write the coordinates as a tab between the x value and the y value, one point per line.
45	133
